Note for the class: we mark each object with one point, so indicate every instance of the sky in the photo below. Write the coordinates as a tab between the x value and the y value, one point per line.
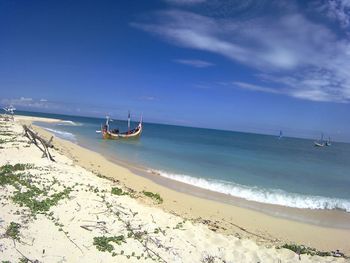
257	66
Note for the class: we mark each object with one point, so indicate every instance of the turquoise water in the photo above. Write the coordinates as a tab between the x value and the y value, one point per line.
289	172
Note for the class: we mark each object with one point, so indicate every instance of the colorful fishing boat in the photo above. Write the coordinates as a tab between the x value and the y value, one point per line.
114	134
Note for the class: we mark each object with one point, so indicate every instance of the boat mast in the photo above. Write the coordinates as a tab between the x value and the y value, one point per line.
107	122
129	121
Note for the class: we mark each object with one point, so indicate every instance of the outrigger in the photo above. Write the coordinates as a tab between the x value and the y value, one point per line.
115	134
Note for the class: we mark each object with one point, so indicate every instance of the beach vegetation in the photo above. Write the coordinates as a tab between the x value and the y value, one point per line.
30	200
103	243
6	133
27	194
12	231
159	230
8	168
2	141
155	196
118	191
301	249
179	226
208	259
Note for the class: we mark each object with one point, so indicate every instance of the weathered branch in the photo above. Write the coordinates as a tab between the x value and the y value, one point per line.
35	138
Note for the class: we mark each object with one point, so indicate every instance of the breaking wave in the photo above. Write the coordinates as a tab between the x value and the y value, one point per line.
69	123
62	134
262	195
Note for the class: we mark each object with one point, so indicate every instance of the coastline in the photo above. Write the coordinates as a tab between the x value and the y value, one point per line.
229	219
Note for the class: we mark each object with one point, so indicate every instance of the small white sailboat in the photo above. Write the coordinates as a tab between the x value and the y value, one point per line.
328	143
320	143
281	135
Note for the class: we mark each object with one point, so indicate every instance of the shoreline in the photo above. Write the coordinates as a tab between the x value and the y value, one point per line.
332	218
58	211
225	218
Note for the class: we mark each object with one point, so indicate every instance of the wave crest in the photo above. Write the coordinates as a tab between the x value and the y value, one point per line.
69	123
262	195
62	134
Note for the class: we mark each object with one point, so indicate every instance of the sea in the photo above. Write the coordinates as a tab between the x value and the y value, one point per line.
285	171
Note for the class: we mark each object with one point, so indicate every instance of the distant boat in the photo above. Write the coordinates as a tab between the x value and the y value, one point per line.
328	143
281	135
115	134
320	143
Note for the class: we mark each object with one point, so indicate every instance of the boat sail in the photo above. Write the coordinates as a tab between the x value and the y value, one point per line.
281	135
114	134
328	143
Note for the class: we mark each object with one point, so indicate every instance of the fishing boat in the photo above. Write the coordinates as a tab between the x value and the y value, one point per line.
114	134
319	143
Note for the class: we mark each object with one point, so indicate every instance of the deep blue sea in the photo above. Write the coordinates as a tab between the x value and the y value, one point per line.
288	171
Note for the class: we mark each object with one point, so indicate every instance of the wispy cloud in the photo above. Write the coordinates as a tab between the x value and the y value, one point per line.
253	87
312	57
194	63
27	103
149	98
338	10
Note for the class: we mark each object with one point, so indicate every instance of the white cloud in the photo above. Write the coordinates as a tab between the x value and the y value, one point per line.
149	98
25	99
28	103
314	58
253	87
194	63
338	10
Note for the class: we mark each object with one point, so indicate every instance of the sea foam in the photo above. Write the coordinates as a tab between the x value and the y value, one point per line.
69	123
262	195
62	134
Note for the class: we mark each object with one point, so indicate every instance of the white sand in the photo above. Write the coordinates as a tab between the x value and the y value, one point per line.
177	241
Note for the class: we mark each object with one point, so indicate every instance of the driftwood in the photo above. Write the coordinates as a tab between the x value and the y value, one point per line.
40	142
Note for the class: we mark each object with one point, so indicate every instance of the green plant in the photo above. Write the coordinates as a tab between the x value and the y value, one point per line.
12	231
301	249
103	243
29	199
118	191
155	196
179	225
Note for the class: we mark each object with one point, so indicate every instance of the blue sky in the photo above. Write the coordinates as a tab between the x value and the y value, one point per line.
257	66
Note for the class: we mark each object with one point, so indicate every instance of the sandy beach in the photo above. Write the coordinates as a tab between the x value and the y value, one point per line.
85	208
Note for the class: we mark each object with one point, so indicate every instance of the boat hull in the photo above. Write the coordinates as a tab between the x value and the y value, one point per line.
117	136
316	144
